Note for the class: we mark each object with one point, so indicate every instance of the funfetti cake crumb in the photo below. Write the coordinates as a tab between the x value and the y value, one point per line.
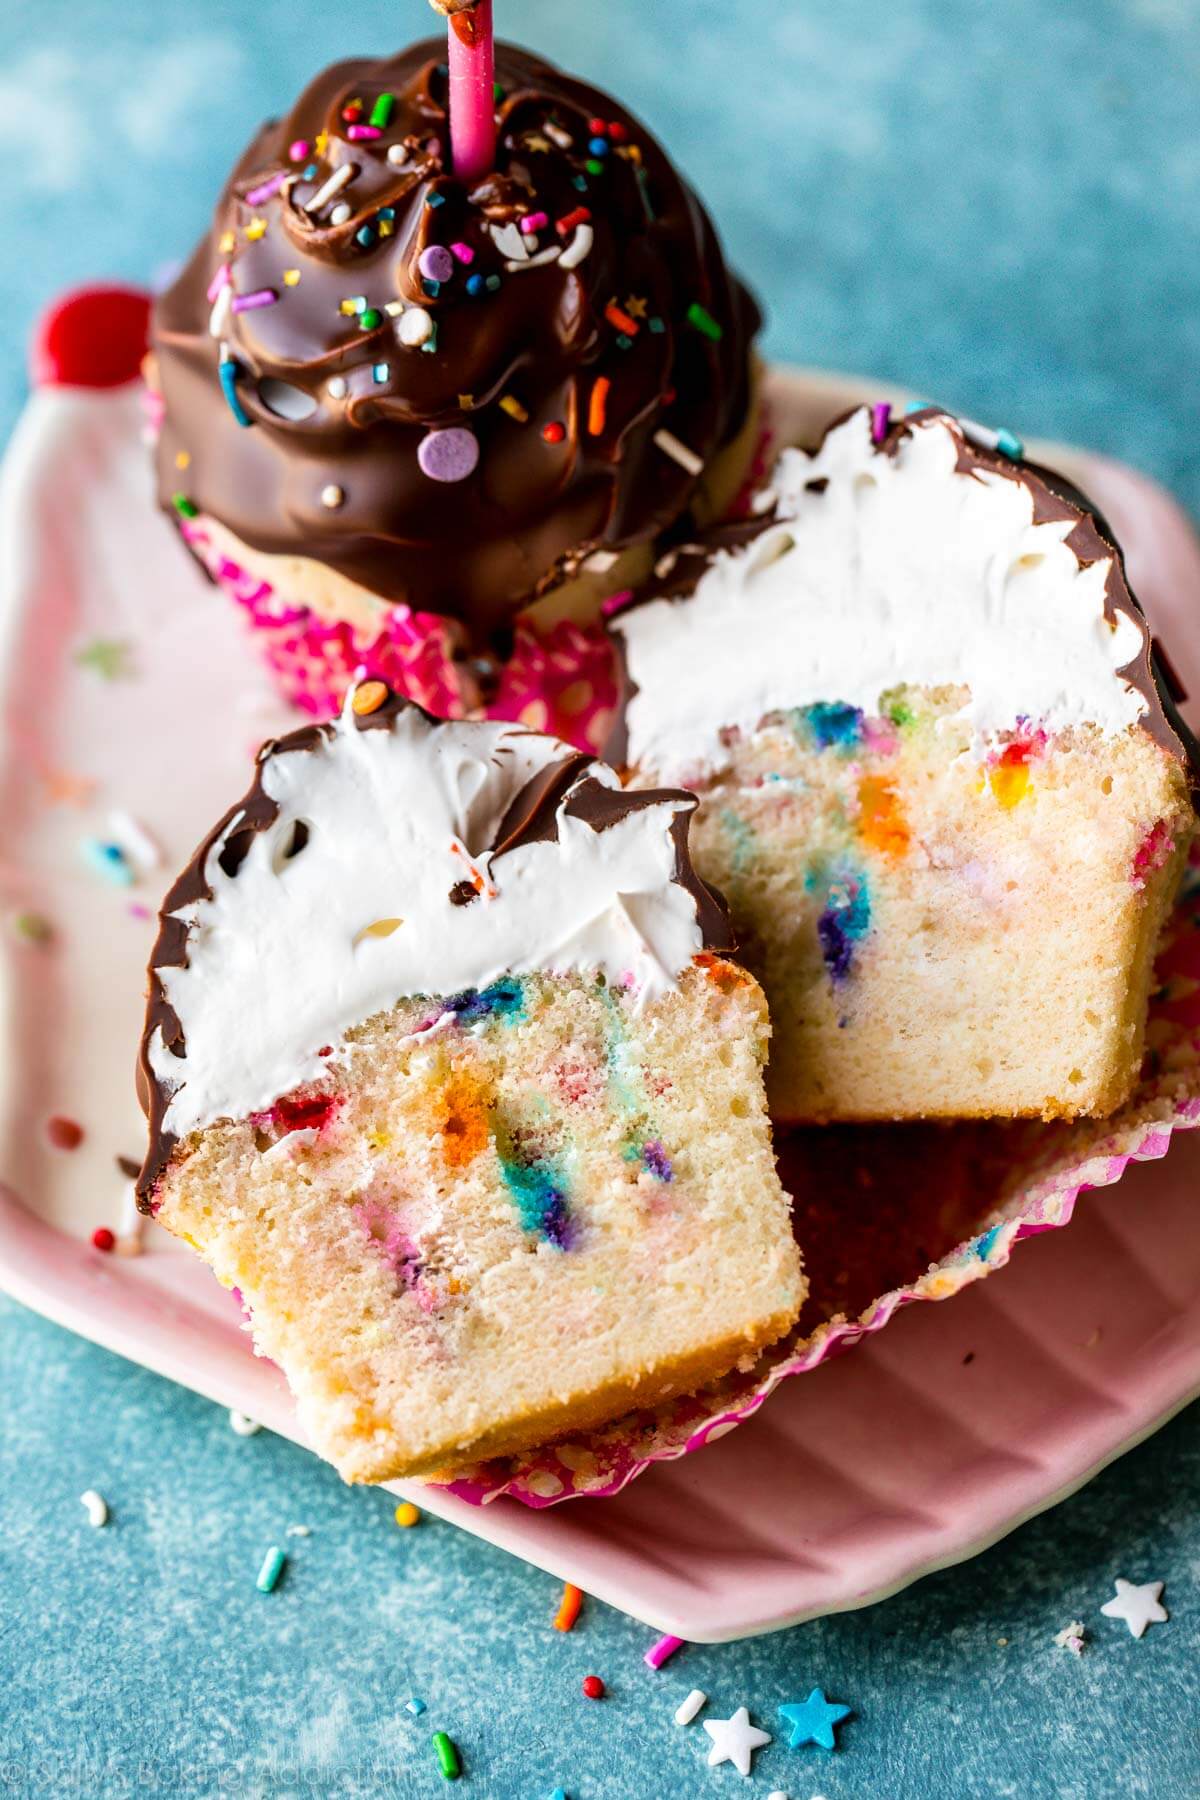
942	779
448	1076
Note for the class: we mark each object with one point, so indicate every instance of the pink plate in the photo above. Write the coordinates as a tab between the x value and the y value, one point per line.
116	659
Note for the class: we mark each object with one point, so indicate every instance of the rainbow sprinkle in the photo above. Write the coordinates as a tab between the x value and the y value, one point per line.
568	1607
257	195
658	1653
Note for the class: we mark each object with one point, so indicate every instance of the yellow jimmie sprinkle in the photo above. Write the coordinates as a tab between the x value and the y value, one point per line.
512	406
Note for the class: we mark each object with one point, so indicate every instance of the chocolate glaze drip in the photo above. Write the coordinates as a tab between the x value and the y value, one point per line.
480	547
529	818
1054	498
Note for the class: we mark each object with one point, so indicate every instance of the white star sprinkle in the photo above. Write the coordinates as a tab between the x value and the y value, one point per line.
1138	1606
735	1740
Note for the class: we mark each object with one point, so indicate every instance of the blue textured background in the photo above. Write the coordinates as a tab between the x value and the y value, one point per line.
997	201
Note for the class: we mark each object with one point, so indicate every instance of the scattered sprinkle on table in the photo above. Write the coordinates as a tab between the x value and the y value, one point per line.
242	1424
686	1712
778	1794
735	1740
593	1687
1139	1606
272	1569
406	1514
63	1133
446	1752
96	1507
568	1607
658	1653
104	1239
299	1531
813	1721
1072	1637
415	1707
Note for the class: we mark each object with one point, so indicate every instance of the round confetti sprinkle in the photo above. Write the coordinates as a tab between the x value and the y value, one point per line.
64	1134
299	150
368	699
554	432
406	1513
103	1238
436	263
332	496
371	319
397	155
415	327
593	1687
448	455
336	387
341	212
243	1425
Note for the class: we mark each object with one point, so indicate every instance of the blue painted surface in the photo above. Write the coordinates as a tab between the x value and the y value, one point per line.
999	204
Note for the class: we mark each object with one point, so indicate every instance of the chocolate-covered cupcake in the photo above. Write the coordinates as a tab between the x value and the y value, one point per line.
388	394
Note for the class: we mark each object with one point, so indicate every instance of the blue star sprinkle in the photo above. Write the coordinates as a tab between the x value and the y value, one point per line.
813	1722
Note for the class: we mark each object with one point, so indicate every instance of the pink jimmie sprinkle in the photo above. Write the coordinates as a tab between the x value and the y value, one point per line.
299	150
881	418
359	134
257	195
250	302
220	280
658	1653
616	602
534	222
464	252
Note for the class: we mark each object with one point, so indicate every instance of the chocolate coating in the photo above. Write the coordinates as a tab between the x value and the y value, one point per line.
480	547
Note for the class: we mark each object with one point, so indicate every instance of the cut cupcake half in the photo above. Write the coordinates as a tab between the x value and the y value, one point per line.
448	1077
943	783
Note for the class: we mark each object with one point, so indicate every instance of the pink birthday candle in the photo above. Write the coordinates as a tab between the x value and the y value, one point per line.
472	61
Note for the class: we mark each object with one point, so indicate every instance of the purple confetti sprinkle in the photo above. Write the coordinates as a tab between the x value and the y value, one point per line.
436	263
449	455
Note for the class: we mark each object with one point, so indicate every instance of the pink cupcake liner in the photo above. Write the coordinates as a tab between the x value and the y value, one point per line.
1047	1168
562	680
